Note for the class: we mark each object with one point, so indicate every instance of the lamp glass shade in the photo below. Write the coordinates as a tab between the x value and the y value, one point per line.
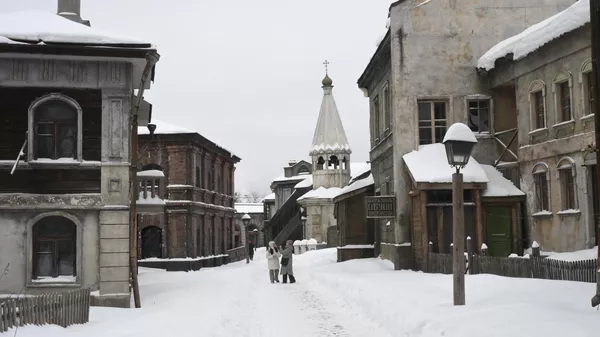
458	152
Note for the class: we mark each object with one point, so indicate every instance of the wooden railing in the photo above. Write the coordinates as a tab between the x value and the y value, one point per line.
64	309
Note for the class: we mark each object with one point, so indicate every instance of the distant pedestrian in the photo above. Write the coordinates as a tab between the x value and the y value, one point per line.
251	250
286	262
273	256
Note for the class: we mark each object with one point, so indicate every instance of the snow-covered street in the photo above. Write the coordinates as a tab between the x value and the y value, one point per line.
355	298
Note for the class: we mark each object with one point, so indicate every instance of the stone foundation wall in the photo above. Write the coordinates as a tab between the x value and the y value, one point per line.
400	256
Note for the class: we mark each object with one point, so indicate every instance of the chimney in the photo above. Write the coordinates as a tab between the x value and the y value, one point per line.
71	9
292	162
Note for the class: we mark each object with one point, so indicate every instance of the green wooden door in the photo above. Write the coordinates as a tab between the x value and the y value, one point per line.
498	231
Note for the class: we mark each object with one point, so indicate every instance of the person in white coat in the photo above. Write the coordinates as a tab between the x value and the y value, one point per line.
273	256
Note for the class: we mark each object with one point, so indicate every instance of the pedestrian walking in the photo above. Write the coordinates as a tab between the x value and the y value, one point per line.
273	256
251	250
286	262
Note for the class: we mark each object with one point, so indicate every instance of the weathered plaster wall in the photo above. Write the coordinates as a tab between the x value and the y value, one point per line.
433	60
16	245
319	218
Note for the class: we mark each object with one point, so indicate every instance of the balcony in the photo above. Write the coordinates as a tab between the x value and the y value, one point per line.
151	192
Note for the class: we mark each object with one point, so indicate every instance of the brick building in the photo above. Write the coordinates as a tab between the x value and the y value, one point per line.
197	183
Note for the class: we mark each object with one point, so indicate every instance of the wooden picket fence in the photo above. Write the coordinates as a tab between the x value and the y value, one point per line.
64	309
533	267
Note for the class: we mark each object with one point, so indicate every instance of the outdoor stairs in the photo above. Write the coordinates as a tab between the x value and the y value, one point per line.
285	224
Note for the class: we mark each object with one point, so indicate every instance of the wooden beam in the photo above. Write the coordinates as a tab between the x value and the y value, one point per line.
448	186
514	222
439	212
424	226
506	149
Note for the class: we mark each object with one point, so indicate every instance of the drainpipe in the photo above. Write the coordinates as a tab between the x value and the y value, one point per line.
151	59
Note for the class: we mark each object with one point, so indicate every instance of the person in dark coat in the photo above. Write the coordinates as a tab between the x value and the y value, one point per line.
286	262
251	250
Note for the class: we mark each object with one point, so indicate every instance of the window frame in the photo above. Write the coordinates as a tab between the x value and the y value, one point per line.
537	87
32	135
387	106
79	271
478	98
584	81
376	118
538	170
566	168
560	79
432	119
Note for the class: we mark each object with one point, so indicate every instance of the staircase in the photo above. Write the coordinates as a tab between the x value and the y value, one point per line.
284	224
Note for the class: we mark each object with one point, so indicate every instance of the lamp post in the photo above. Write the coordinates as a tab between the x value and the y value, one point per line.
303	219
459	141
246	221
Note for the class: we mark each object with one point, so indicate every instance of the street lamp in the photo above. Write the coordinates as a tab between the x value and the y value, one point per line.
303	219
246	221
459	141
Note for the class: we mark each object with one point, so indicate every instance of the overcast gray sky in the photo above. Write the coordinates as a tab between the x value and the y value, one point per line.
247	74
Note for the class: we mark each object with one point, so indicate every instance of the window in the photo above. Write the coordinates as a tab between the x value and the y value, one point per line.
566	176
377	117
198	176
562	96
54	247
303	169
587	86
540	177
432	121
479	115
387	107
320	163
565	101
54	128
537	97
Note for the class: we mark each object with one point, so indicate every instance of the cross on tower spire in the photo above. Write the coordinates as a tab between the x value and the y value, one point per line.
326	63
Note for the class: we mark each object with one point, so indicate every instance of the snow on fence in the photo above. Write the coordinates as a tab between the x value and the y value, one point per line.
521	267
64	309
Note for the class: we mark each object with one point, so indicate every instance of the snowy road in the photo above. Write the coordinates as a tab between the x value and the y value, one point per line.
355	298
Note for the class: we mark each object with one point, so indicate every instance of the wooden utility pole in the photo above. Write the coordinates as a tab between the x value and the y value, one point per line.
151	60
458	238
594	12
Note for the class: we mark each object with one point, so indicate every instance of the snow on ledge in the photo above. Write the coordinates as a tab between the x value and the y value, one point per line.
59	279
151	174
536	36
357	247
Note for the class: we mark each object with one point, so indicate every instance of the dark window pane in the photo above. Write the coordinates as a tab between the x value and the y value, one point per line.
45	147
439	134
44	264
67	138
66	257
56	110
425	123
56	120
440	123
424	111
440	110
425	136
45	129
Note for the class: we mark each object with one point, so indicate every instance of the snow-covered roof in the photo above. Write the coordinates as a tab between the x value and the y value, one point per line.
357	185
357	169
40	27
305	183
321	193
538	35
299	177
329	136
269	197
430	165
249	207
163	128
498	186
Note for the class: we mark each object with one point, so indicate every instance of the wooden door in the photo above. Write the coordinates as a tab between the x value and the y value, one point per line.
151	242
498	236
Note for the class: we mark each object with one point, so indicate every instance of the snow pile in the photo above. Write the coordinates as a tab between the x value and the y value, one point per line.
498	186
538	35
586	254
269	197
430	164
44	27
321	193
151	174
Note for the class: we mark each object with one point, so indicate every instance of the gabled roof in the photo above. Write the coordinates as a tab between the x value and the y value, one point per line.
329	136
536	36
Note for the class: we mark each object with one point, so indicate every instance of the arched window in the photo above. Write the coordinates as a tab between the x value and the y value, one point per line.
587	86
566	177
303	169
334	162
54	128
562	90
537	104
320	163
54	247
541	177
